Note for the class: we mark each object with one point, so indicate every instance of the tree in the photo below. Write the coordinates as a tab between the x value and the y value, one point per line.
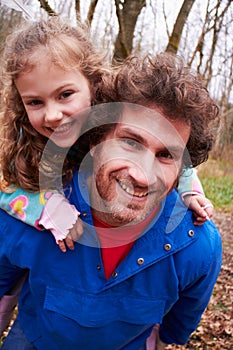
181	19
127	13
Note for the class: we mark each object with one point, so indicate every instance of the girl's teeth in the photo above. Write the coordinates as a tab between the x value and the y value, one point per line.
63	128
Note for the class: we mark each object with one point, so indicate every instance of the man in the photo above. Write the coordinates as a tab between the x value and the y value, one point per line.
141	262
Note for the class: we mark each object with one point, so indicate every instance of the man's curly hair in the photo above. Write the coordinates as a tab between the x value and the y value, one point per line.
162	82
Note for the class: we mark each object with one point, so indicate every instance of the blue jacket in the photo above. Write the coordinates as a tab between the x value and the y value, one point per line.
66	302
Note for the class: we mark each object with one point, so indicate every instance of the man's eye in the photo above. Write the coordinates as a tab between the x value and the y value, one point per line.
165	155
130	142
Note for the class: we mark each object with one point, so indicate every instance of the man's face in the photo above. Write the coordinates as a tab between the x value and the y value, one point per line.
136	165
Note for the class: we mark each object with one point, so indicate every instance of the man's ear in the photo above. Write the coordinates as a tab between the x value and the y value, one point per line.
92	150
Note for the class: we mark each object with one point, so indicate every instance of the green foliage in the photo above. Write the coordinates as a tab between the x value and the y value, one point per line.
219	191
217	180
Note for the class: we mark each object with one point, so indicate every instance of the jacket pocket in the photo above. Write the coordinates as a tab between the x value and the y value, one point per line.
97	310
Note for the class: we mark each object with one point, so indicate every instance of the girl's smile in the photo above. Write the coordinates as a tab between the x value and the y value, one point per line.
53	99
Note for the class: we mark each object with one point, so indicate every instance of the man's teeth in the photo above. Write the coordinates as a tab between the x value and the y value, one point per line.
132	192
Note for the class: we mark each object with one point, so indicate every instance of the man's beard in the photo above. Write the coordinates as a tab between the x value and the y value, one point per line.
132	213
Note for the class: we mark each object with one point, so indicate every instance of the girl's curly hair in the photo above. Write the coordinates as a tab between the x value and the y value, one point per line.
69	47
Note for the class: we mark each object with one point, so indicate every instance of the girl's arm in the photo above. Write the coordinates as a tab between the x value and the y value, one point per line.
44	210
24	206
192	194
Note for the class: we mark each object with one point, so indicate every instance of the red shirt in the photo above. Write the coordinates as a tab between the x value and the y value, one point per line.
116	242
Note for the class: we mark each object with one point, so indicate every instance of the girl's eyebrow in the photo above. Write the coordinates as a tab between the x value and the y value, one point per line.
65	86
30	96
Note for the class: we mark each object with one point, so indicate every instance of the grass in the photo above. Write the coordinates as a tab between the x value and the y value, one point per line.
217	180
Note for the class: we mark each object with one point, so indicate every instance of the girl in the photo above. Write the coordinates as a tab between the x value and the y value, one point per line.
51	75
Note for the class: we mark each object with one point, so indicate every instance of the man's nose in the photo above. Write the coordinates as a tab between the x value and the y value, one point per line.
143	171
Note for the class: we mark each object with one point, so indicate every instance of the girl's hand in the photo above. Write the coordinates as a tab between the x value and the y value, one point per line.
74	234
202	207
62	219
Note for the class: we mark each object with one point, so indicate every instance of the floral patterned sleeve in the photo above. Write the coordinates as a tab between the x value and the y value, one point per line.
25	206
43	210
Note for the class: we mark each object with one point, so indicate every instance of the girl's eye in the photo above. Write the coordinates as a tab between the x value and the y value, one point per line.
33	103
66	94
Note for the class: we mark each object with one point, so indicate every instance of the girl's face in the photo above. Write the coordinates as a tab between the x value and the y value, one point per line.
54	100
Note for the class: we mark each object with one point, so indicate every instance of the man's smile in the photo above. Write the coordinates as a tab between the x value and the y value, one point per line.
129	188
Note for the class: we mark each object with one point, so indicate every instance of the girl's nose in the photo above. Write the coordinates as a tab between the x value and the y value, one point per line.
52	115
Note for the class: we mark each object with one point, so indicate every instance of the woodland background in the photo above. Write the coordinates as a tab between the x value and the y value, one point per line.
201	31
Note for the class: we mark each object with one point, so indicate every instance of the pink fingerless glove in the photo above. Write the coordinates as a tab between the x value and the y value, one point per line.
58	216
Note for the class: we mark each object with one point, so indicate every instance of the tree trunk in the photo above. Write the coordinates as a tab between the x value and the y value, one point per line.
174	38
127	14
77	9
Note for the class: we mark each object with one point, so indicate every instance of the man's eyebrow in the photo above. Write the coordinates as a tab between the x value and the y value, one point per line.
127	131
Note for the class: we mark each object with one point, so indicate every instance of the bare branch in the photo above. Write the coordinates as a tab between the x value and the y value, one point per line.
45	5
91	11
165	20
77	10
77	7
